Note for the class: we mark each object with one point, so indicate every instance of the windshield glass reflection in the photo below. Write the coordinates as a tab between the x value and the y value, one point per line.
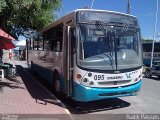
109	47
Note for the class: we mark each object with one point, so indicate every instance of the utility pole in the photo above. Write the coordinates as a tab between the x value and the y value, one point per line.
155	30
128	7
92	4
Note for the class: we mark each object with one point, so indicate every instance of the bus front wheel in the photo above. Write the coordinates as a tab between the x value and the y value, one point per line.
56	83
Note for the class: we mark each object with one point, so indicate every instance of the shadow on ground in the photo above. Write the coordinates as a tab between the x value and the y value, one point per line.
12	83
35	90
155	78
96	106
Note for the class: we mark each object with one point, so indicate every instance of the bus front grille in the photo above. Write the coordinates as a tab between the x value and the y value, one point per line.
111	83
115	94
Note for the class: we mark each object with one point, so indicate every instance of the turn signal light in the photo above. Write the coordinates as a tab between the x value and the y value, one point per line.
78	76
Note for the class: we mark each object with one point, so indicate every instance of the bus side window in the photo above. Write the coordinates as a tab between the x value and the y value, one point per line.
52	39
46	45
57	39
47	40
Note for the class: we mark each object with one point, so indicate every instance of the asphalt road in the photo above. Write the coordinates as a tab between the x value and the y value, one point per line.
147	102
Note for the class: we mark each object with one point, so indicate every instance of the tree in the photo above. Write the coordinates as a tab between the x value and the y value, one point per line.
17	16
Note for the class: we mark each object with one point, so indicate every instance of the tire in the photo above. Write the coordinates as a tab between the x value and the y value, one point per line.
148	74
56	83
32	68
159	76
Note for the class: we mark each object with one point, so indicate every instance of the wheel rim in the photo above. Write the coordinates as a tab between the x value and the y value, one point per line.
57	86
148	74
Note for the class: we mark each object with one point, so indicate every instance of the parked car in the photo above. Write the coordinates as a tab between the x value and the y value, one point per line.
155	70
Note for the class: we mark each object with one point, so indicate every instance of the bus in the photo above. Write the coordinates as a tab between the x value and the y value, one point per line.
89	55
147	52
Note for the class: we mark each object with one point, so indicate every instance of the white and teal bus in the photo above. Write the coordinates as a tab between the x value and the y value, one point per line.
89	55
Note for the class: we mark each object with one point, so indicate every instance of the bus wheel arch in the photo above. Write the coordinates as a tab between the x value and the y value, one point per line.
56	82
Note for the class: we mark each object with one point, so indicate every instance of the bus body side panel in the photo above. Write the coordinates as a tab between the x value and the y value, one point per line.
45	62
47	74
86	94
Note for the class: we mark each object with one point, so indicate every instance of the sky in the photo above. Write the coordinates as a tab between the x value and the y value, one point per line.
144	10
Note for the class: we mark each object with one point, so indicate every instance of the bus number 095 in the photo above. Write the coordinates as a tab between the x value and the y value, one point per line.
99	77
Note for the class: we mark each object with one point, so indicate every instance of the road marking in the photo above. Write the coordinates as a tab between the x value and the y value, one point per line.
62	104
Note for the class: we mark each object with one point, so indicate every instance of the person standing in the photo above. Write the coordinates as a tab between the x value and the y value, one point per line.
10	54
24	54
1	55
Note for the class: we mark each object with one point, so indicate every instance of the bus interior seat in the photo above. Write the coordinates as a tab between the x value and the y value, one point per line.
90	49
102	45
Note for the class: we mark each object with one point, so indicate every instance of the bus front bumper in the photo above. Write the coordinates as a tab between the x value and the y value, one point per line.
86	94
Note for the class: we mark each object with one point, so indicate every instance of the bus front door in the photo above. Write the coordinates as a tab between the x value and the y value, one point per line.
69	62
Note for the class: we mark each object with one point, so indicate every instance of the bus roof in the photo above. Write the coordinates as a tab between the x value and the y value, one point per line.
108	11
47	27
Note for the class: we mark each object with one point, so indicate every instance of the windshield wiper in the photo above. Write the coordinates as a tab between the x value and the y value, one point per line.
110	47
105	34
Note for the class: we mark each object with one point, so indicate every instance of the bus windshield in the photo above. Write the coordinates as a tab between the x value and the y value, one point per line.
109	46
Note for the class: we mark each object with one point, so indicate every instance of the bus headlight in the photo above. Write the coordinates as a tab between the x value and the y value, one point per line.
91	83
89	74
136	80
139	76
85	80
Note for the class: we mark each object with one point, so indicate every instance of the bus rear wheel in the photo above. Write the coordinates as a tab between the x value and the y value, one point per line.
32	67
57	86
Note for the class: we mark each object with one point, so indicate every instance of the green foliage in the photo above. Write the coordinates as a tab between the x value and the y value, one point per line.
2	5
27	14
